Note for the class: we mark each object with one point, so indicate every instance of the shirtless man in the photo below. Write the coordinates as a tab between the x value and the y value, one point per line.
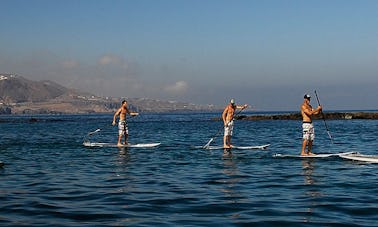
308	128
228	121
122	124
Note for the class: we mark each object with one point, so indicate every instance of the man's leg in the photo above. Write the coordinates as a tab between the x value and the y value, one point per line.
309	148
126	137
229	141
304	144
225	141
119	139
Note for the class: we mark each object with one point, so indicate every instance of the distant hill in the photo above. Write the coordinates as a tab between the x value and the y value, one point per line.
15	89
19	95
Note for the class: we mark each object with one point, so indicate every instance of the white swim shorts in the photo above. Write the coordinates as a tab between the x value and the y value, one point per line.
122	128
308	131
229	128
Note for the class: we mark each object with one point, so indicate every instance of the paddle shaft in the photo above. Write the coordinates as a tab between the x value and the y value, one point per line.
325	123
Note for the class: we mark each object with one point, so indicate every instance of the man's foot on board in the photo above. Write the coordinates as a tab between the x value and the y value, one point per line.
120	145
307	154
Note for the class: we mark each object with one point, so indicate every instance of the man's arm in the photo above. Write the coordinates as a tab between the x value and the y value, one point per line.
317	110
131	113
242	107
224	115
309	111
115	116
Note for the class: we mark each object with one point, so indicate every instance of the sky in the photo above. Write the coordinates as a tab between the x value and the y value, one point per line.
265	53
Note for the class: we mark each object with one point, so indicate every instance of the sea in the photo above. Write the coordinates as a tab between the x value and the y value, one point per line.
50	179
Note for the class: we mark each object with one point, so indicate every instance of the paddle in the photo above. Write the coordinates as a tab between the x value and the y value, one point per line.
95	131
216	134
325	123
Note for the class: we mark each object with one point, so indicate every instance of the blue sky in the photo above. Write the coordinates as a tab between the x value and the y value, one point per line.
264	53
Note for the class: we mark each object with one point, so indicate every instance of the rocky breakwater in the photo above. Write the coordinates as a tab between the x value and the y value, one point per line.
297	116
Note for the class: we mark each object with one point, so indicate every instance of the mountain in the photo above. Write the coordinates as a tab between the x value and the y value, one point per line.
15	89
19	95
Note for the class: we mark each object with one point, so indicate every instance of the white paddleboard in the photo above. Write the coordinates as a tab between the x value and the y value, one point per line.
261	147
138	145
313	156
361	157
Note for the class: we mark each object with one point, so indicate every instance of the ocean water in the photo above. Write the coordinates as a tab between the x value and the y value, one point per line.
50	178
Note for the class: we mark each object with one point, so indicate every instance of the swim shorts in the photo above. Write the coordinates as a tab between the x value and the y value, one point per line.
308	131
229	128
122	128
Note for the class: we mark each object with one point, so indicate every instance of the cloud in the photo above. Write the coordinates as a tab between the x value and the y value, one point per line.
70	64
110	59
180	87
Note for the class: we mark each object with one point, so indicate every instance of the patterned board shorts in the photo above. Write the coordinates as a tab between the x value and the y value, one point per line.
308	131
122	128
229	128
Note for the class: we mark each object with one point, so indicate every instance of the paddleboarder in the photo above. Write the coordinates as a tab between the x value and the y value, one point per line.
307	126
228	121
122	124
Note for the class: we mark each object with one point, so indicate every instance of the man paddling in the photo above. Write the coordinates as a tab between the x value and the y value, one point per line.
122	124
228	121
308	128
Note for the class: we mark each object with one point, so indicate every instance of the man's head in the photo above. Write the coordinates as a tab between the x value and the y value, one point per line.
307	96
232	101
124	102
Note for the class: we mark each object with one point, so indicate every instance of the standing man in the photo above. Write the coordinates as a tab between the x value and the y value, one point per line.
308	128
228	121
122	124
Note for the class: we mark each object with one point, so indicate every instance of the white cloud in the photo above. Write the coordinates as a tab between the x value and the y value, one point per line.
70	64
110	59
179	87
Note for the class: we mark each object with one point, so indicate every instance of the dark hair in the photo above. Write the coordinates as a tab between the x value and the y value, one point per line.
307	96
123	101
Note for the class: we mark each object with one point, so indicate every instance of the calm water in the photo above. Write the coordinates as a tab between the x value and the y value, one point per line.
49	178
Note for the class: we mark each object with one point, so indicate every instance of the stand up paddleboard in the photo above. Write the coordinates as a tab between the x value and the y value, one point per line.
313	156
260	147
138	145
361	157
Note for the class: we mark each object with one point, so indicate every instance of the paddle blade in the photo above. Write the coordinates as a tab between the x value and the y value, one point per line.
97	130
208	143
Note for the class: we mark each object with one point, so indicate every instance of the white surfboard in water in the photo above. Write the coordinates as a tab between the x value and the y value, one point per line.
138	145
313	156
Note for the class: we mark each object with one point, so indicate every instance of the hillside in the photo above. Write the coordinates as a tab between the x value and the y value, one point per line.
15	89
19	95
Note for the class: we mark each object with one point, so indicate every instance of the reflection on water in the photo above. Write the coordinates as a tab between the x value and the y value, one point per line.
227	153
231	181
308	167
123	151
